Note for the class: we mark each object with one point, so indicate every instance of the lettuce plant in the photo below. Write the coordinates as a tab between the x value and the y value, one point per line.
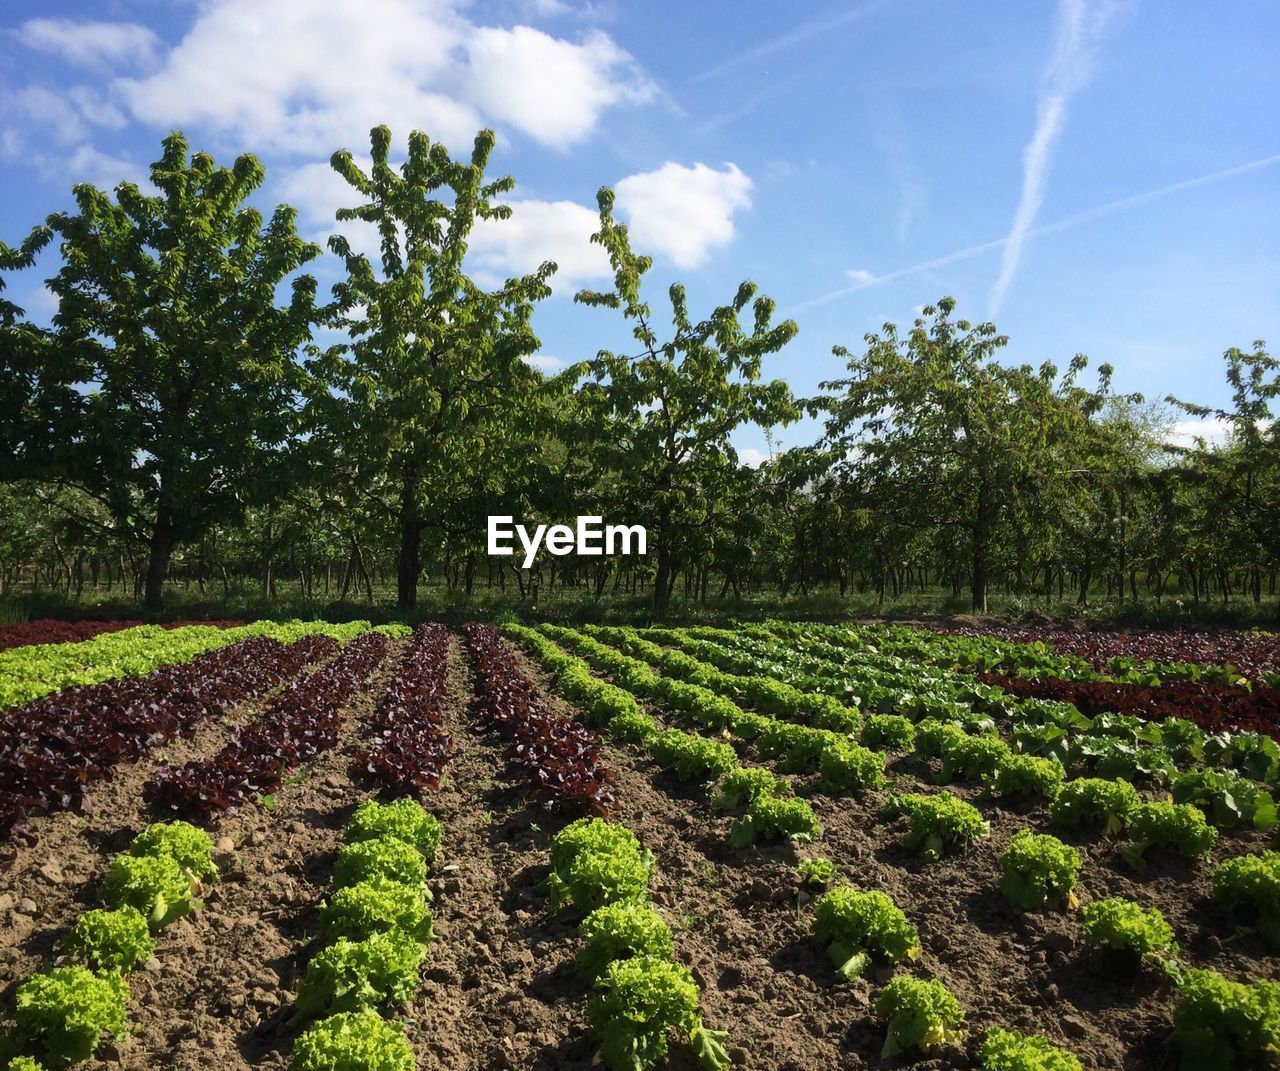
743	784
817	871
24	1063
1123	926
692	757
376	906
349	975
1227	797
922	1013
618	931
1096	802
1178	826
938	822
844	764
771	818
154	885
1220	1025
111	940
66	1012
1005	1050
856	927
403	819
381	857
187	845
594	863
641	999
888	731
353	1041
971	757
1038	867
1026	775
1247	889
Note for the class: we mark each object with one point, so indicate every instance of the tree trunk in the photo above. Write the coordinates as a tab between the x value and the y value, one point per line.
984	517
160	549
410	541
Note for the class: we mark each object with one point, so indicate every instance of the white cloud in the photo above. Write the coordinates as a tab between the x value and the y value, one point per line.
88	164
860	276
309	76
751	457
91	43
551	89
538	231
544	362
683	212
51	112
1184	433
1080	28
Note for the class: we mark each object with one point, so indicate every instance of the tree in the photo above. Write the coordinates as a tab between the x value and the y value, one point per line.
167	318
941	434
665	414
434	367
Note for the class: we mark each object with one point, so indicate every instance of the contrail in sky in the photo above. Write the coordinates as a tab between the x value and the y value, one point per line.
1067	223
1080	29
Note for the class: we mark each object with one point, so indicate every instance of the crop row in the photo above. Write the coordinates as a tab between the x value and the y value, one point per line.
557	759
27	673
61	1015
48	630
299	724
53	749
374	932
410	748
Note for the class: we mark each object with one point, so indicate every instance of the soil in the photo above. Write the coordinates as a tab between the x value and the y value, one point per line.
500	990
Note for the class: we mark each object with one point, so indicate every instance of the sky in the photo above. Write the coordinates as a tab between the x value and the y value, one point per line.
1094	176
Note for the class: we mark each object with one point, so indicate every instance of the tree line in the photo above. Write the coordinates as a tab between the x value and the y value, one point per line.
180	418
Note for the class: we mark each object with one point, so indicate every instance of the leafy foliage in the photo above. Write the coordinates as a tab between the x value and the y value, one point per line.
1005	1050
189	847
1247	888
404	820
353	1041
744	784
888	730
1094	801
1220	1025
1123	926
351	975
620	930
844	764
640	1000
856	926
379	857
692	757
1026	775
1037	867
66	1012
376	906
939	822
111	940
922	1013
775	818
1178	826
816	871
155	886
594	863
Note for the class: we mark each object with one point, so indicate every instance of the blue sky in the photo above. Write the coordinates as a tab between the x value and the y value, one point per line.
1097	176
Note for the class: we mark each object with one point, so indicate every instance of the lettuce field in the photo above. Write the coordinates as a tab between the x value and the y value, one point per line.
781	846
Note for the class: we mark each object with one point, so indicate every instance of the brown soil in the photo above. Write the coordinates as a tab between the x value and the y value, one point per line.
499	986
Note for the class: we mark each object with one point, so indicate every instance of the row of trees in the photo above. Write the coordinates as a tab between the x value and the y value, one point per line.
180	418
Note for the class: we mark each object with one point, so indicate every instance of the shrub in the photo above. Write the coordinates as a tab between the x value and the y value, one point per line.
404	820
111	940
856	926
1126	927
153	885
67	1011
1037	867
1220	1025
1247	888
938	822
353	1041
187	845
1178	826
921	1013
640	1000
349	975
1093	801
382	857
376	906
1004	1050
619	931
